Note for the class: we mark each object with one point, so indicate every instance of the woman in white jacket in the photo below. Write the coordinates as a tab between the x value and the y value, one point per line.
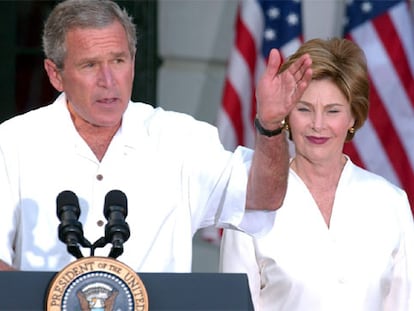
344	237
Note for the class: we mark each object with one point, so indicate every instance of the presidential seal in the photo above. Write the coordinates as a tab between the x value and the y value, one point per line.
96	284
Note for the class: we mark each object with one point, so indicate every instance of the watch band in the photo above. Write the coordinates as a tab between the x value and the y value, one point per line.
268	133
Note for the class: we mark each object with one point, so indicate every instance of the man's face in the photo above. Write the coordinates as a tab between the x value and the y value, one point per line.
97	74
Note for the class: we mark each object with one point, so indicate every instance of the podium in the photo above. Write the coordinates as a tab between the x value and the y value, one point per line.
26	291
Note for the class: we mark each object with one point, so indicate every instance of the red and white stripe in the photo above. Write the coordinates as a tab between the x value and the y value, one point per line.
246	64
385	144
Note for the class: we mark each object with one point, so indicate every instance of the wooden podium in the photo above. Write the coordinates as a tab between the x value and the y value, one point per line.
26	291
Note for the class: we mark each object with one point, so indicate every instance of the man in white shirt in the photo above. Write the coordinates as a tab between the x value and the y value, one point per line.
93	139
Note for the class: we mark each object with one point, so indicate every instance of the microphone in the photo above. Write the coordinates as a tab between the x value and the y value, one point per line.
116	230
70	229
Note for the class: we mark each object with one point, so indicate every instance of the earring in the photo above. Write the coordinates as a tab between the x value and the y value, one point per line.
351	130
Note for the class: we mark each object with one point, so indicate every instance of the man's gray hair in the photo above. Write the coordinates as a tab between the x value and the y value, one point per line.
71	14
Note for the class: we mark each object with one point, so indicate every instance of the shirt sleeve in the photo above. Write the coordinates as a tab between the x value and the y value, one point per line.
213	180
232	213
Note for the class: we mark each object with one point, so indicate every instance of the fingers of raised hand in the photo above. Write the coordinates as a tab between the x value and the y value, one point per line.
301	71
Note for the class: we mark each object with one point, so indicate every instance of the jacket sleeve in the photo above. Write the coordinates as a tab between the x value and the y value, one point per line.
401	295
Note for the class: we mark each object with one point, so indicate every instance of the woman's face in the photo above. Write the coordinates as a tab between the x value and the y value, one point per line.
320	121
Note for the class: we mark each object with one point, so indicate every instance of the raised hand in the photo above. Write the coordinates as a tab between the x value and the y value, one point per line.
277	93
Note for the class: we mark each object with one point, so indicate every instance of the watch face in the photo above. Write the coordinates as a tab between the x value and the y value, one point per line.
96	283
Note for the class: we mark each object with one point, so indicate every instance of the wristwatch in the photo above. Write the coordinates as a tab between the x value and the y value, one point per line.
268	133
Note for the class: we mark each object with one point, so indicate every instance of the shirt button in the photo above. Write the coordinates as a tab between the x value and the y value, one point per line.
100	223
99	177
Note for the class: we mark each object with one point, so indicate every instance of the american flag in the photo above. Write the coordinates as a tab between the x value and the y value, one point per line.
260	26
383	29
385	144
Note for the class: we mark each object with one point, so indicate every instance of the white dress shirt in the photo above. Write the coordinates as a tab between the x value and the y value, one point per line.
175	173
363	261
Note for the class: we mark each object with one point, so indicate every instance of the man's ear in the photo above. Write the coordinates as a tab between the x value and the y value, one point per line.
54	75
133	66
